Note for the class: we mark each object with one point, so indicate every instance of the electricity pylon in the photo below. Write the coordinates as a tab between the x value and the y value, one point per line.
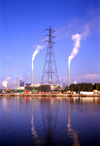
50	75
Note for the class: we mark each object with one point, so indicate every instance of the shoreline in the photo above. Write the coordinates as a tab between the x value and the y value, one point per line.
48	95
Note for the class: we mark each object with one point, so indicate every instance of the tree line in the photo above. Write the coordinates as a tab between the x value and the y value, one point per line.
41	88
83	87
73	87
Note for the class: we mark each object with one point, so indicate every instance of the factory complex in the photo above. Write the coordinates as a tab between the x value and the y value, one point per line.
50	82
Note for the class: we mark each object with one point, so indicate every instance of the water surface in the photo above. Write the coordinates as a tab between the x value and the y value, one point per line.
49	121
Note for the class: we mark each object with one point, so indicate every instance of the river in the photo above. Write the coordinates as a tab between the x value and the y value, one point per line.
58	121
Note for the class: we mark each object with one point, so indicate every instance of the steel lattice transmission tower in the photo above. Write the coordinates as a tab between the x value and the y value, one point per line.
50	75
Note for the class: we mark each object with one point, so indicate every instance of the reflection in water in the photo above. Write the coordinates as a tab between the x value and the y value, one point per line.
34	133
49	129
49	109
33	129
4	104
72	133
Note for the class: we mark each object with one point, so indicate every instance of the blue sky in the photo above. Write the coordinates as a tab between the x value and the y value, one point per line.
22	25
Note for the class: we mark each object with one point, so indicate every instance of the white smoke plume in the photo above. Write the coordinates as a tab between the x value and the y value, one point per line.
74	82
5	82
38	48
77	38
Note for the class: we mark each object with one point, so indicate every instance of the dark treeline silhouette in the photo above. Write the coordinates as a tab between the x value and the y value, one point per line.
41	88
73	87
83	87
45	88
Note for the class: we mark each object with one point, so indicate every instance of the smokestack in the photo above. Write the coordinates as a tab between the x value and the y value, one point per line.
68	75
77	38
17	81
32	71
20	82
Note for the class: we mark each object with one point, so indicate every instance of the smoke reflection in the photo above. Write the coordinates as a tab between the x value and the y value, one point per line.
71	132
36	137
49	108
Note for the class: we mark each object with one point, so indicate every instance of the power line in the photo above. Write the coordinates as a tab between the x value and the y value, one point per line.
79	62
84	56
59	34
71	12
58	41
28	50
76	25
85	12
40	33
22	50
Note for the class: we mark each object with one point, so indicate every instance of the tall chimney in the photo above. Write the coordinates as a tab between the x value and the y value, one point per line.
20	82
68	75
32	72
17	81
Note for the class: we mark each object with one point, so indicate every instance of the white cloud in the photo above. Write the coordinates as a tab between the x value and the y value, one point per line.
8	78
93	78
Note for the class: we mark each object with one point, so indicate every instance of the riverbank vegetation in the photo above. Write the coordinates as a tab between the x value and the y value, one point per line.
83	87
